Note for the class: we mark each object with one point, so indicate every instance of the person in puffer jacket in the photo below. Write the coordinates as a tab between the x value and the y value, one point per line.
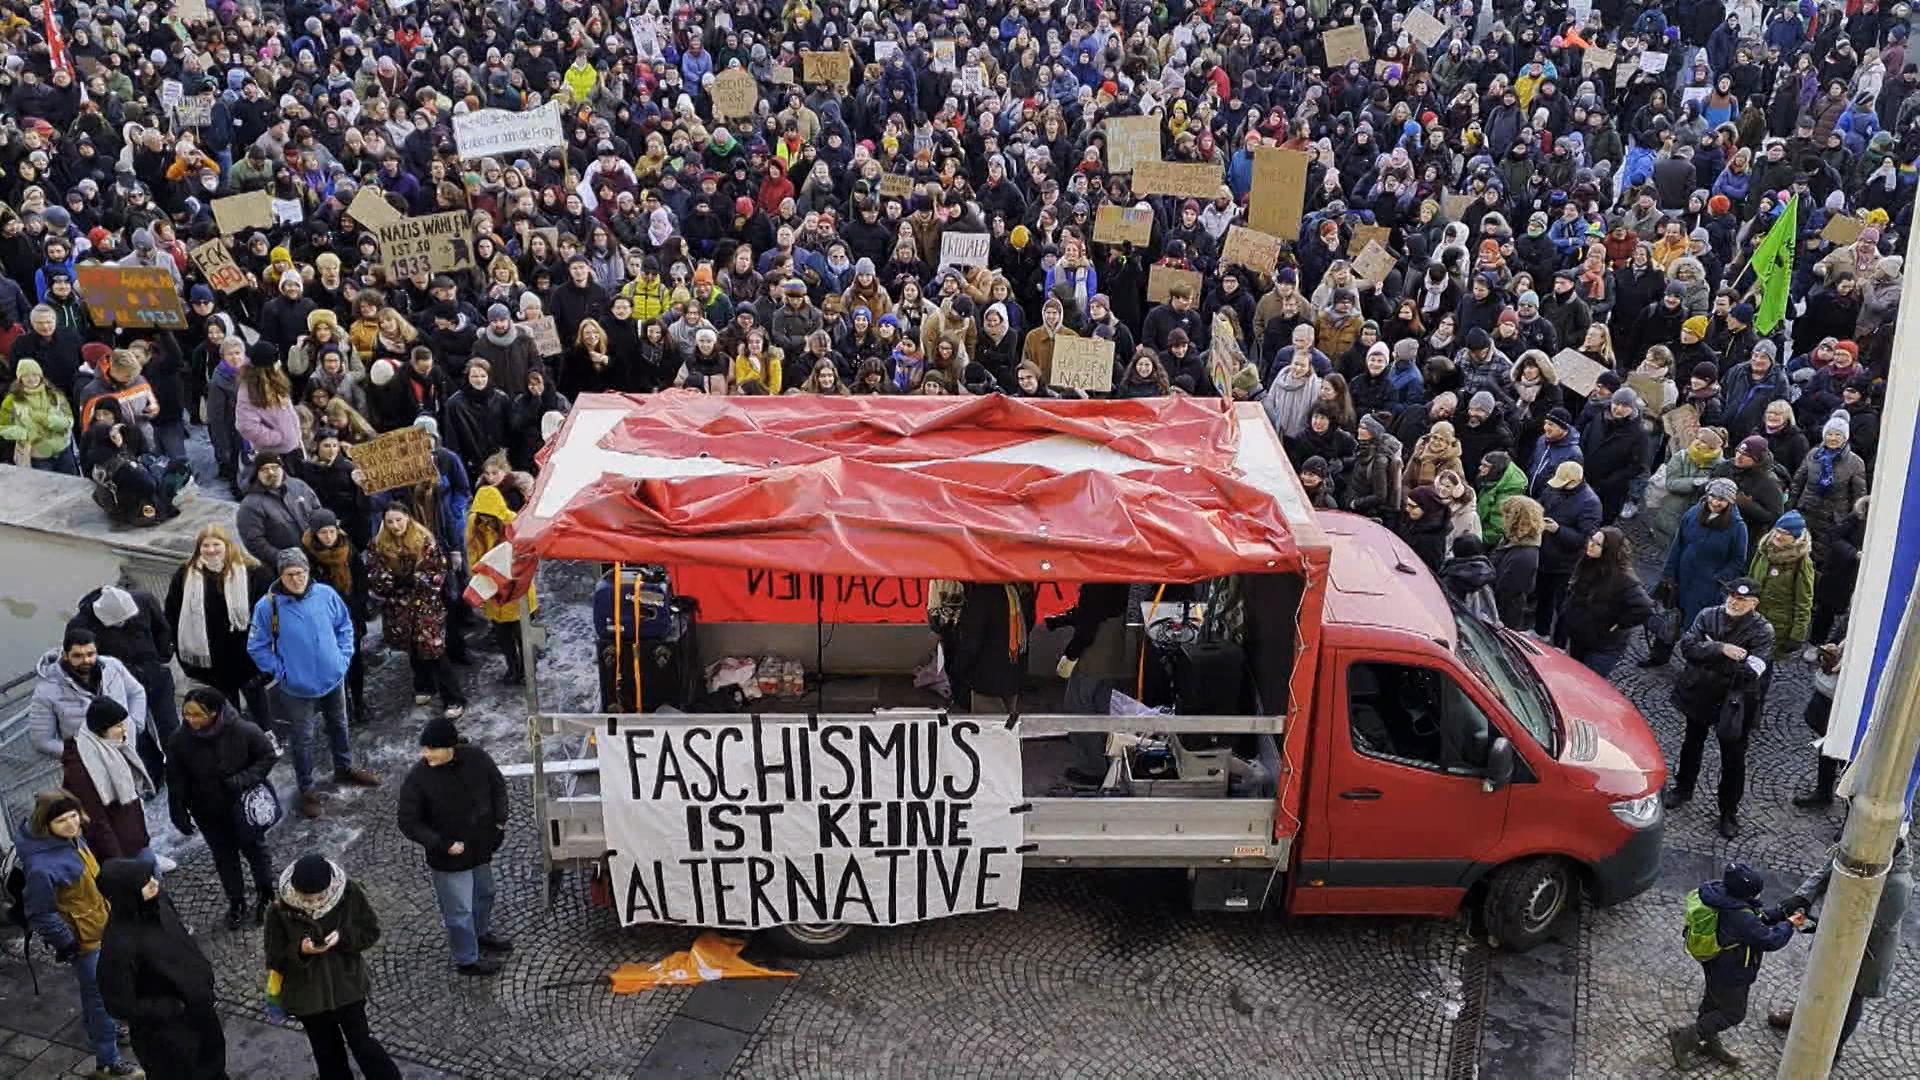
1373	483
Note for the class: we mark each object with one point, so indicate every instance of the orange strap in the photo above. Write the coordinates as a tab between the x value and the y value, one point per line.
1140	676
615	604
639	698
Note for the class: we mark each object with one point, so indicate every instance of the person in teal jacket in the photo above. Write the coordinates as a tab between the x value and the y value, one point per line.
302	640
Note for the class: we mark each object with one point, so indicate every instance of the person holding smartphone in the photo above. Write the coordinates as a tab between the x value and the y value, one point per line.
317	934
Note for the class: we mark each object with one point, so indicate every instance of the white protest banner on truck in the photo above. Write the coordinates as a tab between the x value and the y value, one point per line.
761	823
494	132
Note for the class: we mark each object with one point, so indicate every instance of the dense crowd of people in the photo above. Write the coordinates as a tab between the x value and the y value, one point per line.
1641	263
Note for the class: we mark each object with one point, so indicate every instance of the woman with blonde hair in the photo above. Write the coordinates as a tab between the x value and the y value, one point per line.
346	420
210	608
1598	346
393	337
1516	562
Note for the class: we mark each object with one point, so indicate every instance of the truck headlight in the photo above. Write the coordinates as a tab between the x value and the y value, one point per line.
1640	813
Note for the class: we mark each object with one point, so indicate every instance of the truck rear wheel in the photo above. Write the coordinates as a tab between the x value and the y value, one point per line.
813	941
1524	899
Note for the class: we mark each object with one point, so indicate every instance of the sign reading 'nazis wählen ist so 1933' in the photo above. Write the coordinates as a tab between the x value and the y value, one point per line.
765	821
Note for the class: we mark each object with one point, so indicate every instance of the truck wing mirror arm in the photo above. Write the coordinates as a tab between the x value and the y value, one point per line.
1499	771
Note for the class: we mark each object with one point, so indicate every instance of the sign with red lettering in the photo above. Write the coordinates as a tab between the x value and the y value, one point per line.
786	596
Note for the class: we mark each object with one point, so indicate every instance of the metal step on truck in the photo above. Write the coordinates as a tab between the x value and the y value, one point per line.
1277	701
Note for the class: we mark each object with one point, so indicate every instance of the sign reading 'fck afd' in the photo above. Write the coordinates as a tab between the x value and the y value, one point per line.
764	822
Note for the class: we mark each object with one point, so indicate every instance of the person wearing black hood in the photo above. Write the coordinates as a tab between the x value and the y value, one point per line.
1424	523
1604	602
154	977
1468	576
1742	935
214	759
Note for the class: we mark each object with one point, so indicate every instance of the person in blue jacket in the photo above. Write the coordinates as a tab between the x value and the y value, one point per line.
1709	550
302	640
1744	936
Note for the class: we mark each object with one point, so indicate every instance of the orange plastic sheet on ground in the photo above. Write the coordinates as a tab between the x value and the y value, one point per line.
711	956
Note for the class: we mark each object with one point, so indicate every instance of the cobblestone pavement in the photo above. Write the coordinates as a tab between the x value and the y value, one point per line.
1098	975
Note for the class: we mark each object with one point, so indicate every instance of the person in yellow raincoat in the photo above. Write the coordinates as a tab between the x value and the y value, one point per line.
487	521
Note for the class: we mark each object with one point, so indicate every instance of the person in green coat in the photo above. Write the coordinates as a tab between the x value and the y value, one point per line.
317	933
1783	565
1681	481
1499	480
38	417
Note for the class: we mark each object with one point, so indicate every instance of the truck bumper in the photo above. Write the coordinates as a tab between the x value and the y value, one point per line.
1630	871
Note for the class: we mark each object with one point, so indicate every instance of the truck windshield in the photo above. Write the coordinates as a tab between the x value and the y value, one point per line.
1509	675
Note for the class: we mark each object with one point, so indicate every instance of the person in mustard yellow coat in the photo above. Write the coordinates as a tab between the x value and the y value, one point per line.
487	521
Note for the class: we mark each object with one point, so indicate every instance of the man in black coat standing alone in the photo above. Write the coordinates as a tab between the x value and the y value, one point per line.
154	977
454	804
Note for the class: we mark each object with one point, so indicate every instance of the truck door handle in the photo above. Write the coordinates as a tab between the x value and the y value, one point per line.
1365	794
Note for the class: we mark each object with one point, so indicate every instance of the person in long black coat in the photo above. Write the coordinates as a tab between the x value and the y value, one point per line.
212	760
1615	451
154	977
987	648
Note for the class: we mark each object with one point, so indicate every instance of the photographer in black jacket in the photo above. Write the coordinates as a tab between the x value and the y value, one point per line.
1721	690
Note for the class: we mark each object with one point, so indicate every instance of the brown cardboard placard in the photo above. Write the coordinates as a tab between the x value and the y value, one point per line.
192	11
1599	59
1344	44
1681	424
1162	279
1623	74
1422	27
430	243
1578	372
1278	196
1130	141
238	213
195	111
1198	180
1114	224
1083	363
735	93
827	67
1453	204
216	264
895	185
397	459
371	209
1251	248
1368	234
780	75
131	296
1652	391
545	333
1842	230
1373	263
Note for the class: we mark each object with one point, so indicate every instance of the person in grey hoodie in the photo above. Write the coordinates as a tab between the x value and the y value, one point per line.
69	680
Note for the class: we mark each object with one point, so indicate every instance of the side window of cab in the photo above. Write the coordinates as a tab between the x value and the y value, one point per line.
1417	716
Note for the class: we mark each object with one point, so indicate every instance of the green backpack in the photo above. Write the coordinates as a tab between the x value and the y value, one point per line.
1703	929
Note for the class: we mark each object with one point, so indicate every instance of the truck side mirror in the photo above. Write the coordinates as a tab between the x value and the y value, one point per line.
1499	772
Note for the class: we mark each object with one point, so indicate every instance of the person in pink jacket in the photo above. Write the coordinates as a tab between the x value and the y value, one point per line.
263	409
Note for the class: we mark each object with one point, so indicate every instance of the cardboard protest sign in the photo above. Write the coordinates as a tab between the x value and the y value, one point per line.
192	11
1623	74
497	132
1681	424
827	67
238	213
735	93
1132	140
1373	263
1083	363
973	80
397	459
371	209
1842	230
1652	391
1422	27
546	335
1123	225
1653	63
1599	59
1368	234
1454	204
1279	193
964	249
943	58
780	75
644	26
171	93
1252	249
883	49
131	296
216	264
1578	372
851	843
1345	44
195	111
1694	93
765	595
1199	180
428	244
1162	279
895	185
288	211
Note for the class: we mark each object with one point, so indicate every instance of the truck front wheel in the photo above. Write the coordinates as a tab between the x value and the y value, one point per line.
813	941
1524	899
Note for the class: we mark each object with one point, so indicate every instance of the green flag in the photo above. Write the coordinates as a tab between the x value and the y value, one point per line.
1773	267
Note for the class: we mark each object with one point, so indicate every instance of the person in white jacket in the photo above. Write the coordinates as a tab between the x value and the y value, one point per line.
70	679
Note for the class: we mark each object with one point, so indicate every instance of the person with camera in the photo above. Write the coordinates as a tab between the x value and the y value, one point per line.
1720	691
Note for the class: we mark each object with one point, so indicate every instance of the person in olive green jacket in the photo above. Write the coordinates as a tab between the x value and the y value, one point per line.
317	932
1499	480
38	417
1783	565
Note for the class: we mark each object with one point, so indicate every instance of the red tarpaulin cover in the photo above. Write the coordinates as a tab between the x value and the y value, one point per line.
977	489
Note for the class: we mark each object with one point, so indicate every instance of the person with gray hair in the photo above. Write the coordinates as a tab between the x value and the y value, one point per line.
302	640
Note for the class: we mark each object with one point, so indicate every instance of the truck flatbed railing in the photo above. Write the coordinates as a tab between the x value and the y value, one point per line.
1036	725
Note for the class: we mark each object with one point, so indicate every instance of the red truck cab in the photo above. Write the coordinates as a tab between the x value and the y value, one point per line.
1450	759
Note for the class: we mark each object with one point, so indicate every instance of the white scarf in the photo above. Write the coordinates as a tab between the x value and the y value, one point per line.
195	642
117	774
